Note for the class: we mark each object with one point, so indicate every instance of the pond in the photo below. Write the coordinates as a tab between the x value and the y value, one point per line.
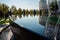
30	23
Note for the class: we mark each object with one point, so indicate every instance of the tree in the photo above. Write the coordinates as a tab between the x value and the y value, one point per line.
53	20
26	12
37	12
54	6
13	10
34	12
43	12
31	12
1	14
0	6
4	9
23	12
20	12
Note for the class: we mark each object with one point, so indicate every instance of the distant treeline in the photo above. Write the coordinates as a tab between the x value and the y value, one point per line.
5	11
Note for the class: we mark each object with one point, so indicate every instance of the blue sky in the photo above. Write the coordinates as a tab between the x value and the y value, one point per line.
24	4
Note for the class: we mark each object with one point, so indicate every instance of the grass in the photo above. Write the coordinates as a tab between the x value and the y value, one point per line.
4	21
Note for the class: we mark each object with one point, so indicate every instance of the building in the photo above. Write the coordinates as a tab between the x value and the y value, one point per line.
43	7
42	4
43	12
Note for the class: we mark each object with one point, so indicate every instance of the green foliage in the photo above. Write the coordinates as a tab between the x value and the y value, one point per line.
4	21
53	6
4	8
53	19
37	12
26	12
31	12
5	11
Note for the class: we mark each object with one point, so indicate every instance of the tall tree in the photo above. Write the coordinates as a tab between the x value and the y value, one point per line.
37	12
34	12
4	9
23	12
54	6
1	14
13	10
20	12
31	12
0	6
26	12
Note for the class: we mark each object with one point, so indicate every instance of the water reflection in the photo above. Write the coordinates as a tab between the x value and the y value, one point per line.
52	24
31	22
13	17
26	14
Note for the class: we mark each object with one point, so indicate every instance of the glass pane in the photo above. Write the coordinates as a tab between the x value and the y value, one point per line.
52	25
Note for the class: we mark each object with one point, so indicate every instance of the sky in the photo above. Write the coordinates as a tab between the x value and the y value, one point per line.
23	4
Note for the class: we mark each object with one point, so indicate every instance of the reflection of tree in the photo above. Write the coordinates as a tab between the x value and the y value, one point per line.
26	12
54	6
13	17
13	10
37	12
23	12
4	11
43	12
20	12
53	20
31	12
53	9
34	12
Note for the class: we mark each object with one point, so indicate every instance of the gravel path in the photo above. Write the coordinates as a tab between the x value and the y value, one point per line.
6	35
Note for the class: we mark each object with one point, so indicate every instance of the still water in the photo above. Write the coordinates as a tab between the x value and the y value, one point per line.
30	23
